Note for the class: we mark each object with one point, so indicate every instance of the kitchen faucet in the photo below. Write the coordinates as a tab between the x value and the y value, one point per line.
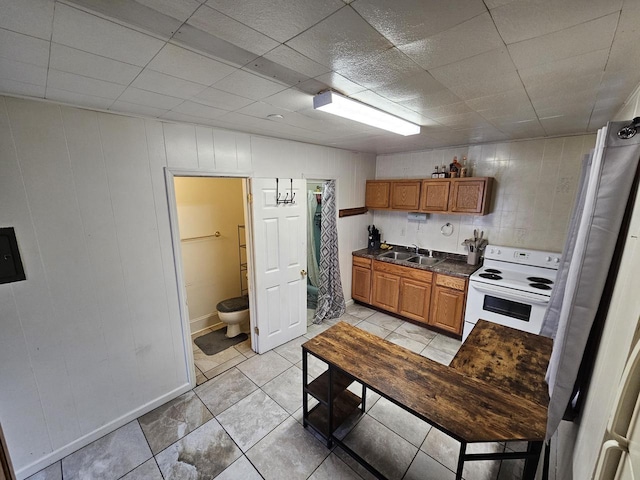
417	248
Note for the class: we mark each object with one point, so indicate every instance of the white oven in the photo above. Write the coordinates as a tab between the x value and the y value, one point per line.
512	288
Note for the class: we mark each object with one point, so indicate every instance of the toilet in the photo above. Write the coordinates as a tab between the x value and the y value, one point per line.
233	311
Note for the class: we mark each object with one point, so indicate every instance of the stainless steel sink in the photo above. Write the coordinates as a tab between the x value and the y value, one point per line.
424	260
398	255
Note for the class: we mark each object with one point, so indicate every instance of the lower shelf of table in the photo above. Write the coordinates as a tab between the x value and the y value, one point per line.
343	406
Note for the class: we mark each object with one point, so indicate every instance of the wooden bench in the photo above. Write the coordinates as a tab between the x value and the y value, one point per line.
493	391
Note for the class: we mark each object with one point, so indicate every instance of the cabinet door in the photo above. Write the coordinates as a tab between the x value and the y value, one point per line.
361	284
415	298
435	195
385	291
468	196
377	194
447	307
405	195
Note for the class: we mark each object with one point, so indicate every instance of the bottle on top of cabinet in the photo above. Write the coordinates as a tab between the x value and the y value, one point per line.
443	172
436	173
464	171
454	168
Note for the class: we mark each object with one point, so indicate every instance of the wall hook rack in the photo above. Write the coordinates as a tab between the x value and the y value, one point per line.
289	196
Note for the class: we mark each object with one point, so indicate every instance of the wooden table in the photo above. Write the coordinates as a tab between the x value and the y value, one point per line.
494	390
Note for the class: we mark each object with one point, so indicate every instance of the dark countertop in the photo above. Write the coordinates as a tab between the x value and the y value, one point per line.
454	264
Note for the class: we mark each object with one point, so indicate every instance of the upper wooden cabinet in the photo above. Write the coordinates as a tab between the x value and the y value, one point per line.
377	194
469	196
405	195
435	196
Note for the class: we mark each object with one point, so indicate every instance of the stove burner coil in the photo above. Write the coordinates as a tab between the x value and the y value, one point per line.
546	281
490	276
493	270
540	286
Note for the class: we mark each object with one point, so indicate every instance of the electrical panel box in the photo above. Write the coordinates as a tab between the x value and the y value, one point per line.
11	269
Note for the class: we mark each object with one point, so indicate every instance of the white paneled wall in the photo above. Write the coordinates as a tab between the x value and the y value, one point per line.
534	189
93	337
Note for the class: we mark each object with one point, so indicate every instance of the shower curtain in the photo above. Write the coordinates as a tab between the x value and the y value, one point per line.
606	183
330	296
312	261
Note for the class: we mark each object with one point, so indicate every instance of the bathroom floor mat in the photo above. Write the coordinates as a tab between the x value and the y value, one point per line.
216	341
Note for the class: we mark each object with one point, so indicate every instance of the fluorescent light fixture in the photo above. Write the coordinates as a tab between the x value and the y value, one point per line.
337	104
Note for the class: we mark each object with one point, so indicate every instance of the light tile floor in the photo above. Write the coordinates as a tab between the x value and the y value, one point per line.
244	421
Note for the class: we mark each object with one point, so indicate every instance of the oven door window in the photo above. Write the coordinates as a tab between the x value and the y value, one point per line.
507	308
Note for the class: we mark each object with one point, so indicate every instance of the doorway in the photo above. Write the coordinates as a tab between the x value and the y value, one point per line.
212	226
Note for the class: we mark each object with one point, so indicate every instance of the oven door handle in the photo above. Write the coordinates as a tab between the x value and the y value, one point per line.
508	294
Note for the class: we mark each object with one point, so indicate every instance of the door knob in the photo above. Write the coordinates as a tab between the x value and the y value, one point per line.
303	273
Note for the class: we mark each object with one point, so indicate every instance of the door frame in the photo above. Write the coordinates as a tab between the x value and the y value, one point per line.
170	174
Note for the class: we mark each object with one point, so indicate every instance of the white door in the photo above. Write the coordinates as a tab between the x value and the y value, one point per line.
280	262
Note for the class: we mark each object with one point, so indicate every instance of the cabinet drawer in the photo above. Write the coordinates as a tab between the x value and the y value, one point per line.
362	262
455	283
406	272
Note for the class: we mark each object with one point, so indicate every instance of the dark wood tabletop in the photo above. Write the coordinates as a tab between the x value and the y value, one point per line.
467	401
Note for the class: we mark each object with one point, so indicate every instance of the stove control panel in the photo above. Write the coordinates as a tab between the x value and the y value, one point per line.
523	256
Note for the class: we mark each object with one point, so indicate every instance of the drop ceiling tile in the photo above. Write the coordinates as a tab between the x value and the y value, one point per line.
279	19
446	110
161	21
199	41
522	20
23	48
248	85
166	84
431	100
419	85
222	26
485	74
223	100
262	110
464	120
33	17
583	38
380	69
288	57
381	103
582	71
70	60
340	83
290	99
199	110
340	40
473	37
565	124
178	9
79	99
312	86
513	102
89	33
412	20
188	65
150	99
626	39
21	88
126	107
83	85
22	72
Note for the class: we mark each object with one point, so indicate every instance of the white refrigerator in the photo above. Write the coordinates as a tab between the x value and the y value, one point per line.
619	457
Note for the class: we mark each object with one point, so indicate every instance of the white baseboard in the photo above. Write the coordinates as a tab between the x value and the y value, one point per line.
209	320
100	432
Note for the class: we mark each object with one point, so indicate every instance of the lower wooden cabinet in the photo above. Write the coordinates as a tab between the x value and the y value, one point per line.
361	279
447	303
415	298
437	300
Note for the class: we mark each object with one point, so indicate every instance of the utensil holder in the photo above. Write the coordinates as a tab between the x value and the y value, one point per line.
473	257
